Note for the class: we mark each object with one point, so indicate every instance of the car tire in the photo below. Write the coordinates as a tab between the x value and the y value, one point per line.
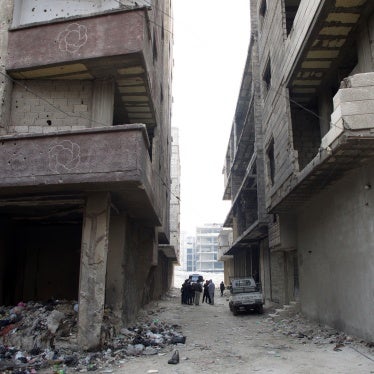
260	309
234	311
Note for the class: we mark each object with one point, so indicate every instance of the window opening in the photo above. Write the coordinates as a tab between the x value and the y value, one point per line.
290	7
267	77
263	8
271	162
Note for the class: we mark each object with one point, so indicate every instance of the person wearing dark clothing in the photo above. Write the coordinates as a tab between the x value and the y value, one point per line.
222	287
206	293
184	292
198	289
191	293
211	289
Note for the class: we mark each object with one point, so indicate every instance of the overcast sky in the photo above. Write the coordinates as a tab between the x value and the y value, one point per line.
211	40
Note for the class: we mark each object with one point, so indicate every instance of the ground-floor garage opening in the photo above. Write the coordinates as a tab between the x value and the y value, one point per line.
39	259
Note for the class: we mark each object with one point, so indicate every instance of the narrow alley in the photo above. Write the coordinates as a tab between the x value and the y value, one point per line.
218	342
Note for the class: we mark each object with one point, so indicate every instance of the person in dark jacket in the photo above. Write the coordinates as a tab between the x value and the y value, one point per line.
191	293
184	292
206	293
222	287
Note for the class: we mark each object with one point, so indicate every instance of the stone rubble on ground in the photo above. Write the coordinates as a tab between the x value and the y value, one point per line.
37	336
306	331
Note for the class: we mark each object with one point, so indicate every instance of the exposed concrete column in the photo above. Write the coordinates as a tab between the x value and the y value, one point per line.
93	269
115	289
102	103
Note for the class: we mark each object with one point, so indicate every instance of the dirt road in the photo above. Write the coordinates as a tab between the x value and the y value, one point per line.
218	342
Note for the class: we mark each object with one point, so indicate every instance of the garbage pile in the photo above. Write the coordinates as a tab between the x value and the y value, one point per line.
36	336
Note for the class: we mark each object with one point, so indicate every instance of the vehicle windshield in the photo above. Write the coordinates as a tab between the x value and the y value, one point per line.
243	285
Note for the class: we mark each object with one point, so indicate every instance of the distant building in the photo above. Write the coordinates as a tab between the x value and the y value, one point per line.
207	248
225	239
190	253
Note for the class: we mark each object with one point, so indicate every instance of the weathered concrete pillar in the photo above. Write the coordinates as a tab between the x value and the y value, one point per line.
93	269
102	103
115	279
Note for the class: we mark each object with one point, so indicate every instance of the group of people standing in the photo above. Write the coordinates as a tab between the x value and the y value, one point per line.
191	292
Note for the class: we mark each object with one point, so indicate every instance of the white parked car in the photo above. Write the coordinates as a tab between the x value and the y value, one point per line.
245	295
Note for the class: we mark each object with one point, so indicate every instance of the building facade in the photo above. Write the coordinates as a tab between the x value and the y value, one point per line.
314	77
206	251
86	147
189	250
173	249
225	240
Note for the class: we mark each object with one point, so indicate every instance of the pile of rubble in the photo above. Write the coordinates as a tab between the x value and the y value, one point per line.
36	336
306	331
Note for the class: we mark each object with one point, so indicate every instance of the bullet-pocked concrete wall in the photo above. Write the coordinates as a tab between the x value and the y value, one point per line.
69	109
336	247
34	11
6	9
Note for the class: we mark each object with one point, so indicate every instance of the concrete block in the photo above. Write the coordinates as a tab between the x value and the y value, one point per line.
361	80
80	108
78	127
58	122
21	129
49	129
360	121
34	102
37	109
59	115
22	108
353	94
64	128
36	129
60	102
71	101
84	122
357	107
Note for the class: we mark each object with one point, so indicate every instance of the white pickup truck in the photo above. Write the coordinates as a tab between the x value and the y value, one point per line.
245	295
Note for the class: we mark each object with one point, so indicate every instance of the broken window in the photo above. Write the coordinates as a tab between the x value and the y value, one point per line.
262	11
290	10
306	132
155	53
263	7
270	162
266	77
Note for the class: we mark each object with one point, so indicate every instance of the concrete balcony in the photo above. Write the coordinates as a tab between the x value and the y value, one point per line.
112	45
347	145
113	159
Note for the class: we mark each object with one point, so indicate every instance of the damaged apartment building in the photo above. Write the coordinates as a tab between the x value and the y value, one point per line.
85	154
299	167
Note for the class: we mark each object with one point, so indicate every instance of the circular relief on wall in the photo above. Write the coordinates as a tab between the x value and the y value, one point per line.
72	38
64	157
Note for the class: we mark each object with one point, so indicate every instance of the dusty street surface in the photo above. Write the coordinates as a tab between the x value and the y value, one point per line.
218	342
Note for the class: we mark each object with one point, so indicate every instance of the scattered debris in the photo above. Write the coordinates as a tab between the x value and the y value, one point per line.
307	331
36	336
175	358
